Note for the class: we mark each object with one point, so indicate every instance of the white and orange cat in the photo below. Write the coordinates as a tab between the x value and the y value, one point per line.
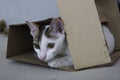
52	46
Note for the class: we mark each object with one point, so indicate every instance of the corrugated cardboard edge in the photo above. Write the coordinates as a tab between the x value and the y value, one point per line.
84	27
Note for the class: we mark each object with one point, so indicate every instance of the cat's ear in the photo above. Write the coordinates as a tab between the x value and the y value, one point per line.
34	30
56	25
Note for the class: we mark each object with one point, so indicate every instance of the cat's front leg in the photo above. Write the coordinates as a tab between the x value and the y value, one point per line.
61	62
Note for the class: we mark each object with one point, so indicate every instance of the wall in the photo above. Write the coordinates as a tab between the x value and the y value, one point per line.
18	11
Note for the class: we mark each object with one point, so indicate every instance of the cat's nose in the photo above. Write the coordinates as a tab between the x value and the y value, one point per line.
43	57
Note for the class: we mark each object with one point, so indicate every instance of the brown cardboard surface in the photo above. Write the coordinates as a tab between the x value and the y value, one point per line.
103	17
19	39
82	24
20	46
110	8
84	33
115	56
20	50
30	57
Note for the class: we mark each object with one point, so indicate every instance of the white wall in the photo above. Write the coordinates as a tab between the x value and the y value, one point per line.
18	11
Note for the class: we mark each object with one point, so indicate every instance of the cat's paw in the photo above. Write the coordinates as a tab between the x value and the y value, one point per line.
55	64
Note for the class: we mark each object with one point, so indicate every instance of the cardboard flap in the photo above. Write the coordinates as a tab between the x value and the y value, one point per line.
103	17
20	40
84	33
110	8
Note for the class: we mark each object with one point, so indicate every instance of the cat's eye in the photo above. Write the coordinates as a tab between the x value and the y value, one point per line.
51	45
36	46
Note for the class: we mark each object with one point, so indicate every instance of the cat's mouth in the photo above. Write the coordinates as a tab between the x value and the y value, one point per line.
44	60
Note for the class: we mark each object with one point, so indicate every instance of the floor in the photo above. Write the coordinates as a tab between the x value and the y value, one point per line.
12	70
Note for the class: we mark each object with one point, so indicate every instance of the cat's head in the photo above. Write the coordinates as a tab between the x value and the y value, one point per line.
52	40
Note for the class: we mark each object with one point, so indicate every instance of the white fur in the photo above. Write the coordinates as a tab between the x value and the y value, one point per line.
50	53
58	49
63	61
61	47
109	39
67	61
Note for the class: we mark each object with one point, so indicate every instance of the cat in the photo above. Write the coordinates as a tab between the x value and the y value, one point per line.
110	40
52	47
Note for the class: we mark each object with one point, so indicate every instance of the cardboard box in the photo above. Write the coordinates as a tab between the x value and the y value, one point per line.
84	33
